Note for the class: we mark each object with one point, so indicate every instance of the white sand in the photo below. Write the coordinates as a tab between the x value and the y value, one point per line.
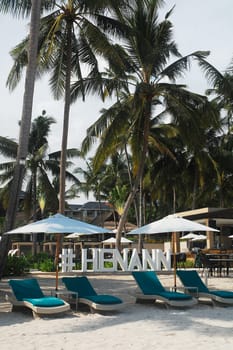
135	327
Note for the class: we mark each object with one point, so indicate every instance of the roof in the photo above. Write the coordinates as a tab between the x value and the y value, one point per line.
97	206
74	207
207	213
222	216
111	225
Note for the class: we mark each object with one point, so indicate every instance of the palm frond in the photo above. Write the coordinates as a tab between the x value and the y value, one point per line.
8	147
180	66
23	8
215	78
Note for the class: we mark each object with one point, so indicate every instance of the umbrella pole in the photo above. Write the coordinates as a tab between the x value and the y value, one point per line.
174	258
174	267
58	244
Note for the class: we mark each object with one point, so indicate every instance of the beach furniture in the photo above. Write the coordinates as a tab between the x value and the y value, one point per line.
151	289
87	294
194	284
27	293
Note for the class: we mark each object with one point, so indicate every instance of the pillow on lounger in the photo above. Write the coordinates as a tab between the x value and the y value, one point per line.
45	301
28	288
175	296
103	299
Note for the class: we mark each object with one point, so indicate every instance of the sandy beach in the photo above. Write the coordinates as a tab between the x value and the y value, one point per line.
136	326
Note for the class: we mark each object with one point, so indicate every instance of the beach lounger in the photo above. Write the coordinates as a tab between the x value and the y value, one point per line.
27	293
191	281
87	295
152	289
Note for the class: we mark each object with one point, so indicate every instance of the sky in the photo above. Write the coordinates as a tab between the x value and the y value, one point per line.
198	25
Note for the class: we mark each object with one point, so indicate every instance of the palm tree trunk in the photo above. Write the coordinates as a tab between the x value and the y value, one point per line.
174	199
194	189
137	178
24	131
34	207
130	181
65	122
64	143
140	238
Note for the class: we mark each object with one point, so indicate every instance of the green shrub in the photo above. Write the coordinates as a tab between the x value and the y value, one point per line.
186	264
16	266
36	260
47	265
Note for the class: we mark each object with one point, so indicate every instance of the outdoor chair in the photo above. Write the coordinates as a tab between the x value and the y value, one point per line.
152	289
194	284
87	295
27	293
206	264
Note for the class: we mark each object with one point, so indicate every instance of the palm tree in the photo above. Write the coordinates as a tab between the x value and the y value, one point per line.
147	52
70	39
73	34
22	8
41	168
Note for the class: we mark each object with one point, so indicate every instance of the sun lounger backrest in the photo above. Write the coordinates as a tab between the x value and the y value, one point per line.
80	285
192	279
27	288
148	282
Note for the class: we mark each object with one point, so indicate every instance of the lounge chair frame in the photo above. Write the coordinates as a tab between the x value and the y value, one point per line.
190	279
162	295
37	310
75	284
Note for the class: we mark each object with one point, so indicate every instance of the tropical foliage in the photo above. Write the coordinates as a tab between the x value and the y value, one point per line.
160	145
151	108
41	177
71	39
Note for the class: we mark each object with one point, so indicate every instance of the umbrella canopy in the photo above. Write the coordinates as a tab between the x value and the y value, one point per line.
171	223
199	238
113	240
59	224
76	235
189	236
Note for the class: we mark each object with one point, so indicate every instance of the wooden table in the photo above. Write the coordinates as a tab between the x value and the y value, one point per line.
227	262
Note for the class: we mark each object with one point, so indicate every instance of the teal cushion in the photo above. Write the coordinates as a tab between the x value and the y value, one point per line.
148	282
80	285
45	301
175	296
190	278
103	299
222	293
27	288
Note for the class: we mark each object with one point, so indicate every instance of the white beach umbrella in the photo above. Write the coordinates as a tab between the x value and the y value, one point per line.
199	238
189	236
171	223
58	224
113	240
75	235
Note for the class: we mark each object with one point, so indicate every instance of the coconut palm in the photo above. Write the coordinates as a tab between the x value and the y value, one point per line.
152	65
22	8
34	9
41	168
72	35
